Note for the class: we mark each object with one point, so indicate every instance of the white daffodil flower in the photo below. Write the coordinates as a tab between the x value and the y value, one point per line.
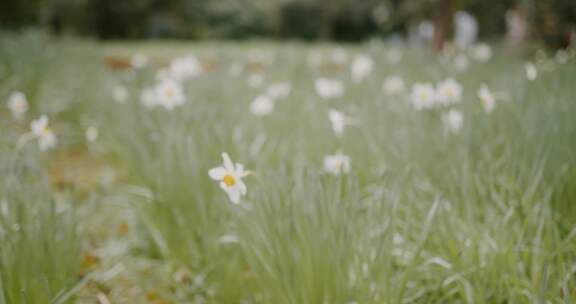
481	52
531	72
393	85
453	121
17	104
279	90
362	66
329	88
423	96
339	121
91	134
230	177
41	130
169	93
139	61
487	99
262	105
337	164
183	68
448	91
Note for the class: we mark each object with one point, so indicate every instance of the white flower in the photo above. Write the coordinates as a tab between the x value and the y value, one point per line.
279	90
91	134
329	88
337	164
481	52
41	130
339	120
393	85
423	96
184	67
453	120
362	66
120	94
262	105
139	61
170	94
448	91
17	104
487	99
230	178
531	72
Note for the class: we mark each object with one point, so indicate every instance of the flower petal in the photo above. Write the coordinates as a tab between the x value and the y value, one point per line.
217	173
241	187
234	194
228	164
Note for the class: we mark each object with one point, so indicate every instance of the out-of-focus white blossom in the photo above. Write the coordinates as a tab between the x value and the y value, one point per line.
448	91
139	61
423	96
262	105
453	121
531	71
17	104
337	164
487	99
481	52
41	130
393	85
362	66
91	134
329	88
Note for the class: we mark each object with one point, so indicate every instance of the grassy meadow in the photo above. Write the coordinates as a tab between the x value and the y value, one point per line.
467	200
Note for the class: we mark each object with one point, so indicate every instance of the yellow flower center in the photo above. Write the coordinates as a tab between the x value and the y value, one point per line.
45	131
229	180
170	92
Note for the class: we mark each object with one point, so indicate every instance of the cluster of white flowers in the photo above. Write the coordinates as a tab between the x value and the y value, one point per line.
263	104
426	96
182	68
40	130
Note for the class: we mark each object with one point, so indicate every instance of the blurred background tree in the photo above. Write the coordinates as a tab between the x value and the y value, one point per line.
551	21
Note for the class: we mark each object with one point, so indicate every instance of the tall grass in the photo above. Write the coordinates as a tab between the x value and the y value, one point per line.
482	216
